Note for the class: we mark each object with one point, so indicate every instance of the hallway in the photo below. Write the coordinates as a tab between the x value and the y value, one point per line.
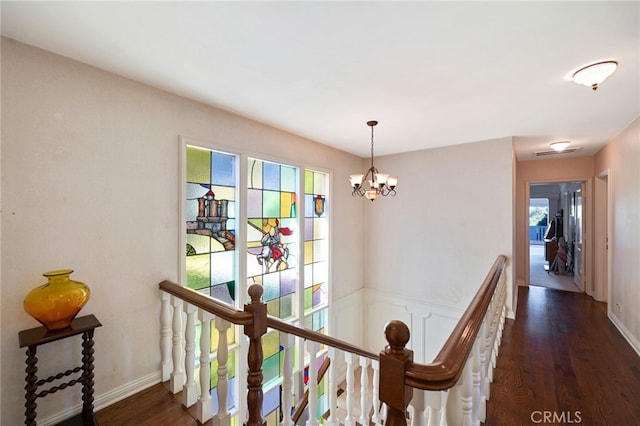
538	276
563	358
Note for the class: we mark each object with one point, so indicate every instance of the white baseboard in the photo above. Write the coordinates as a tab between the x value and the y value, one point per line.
635	344
106	399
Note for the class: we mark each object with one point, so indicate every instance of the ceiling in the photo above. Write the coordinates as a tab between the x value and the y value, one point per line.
432	73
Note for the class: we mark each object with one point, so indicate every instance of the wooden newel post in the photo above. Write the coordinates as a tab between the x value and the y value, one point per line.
394	361
254	332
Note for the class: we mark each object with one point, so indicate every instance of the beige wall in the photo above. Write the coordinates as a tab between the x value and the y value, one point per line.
541	171
437	239
621	159
90	182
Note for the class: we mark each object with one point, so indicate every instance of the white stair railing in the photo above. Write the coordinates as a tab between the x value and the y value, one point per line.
332	420
349	360
222	417
313	382
204	406
446	403
189	389
462	403
287	341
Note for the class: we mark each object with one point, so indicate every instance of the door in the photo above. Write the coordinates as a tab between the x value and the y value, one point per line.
579	253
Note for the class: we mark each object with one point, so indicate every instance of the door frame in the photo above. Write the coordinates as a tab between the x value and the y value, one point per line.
587	227
603	180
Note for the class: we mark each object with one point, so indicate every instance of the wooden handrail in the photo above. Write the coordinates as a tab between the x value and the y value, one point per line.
446	368
235	316
305	333
210	305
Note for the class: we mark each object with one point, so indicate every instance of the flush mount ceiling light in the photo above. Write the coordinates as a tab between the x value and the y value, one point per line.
560	146
378	183
594	74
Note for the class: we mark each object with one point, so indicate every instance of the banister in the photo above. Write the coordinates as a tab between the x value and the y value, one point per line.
280	325
208	304
398	373
446	368
243	318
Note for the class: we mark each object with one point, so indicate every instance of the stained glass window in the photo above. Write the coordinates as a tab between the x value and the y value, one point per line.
210	261
210	215
316	249
272	250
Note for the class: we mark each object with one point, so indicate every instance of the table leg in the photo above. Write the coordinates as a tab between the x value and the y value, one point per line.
31	386
87	378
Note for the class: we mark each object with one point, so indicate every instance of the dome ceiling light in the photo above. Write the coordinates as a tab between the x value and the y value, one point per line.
560	146
594	74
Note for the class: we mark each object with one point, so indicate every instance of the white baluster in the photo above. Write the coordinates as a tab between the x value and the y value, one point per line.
350	419
177	375
453	407
434	417
460	401
364	390
189	390
165	336
222	417
482	350
204	406
287	342
313	382
376	418
445	403
418	408
475	381
467	394
383	413
332	420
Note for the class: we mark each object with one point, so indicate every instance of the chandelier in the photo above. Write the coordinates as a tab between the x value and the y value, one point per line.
376	183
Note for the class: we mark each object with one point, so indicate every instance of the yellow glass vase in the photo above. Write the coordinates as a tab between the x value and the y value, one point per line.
56	303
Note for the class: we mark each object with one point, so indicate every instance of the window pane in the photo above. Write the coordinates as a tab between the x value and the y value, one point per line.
316	240
210	212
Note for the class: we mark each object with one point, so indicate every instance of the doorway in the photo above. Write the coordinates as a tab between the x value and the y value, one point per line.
556	252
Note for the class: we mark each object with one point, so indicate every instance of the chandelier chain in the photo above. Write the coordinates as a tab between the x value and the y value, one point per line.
372	148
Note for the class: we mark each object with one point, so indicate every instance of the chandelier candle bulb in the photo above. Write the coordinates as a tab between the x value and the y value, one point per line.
382	178
356	180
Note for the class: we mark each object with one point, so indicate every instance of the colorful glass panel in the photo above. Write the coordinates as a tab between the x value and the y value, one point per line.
272	250
316	240
210	262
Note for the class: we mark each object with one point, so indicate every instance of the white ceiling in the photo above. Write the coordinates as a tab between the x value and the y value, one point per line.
432	73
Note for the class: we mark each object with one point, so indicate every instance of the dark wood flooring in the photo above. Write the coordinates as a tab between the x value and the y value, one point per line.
155	406
561	362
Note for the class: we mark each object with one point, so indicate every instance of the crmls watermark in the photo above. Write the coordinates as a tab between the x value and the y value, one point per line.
556	417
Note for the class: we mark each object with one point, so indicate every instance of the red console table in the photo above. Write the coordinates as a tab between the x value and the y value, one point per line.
35	337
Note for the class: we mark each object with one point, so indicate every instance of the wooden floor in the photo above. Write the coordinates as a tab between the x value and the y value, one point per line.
561	362
155	406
